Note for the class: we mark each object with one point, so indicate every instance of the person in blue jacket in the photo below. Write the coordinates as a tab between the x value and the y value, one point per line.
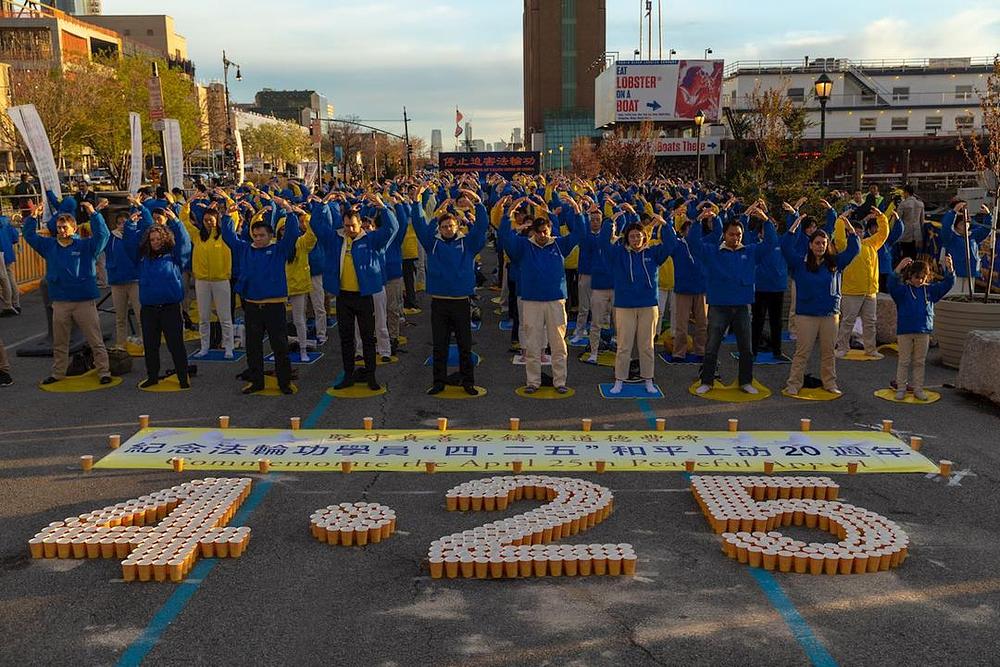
263	287
542	291
600	283
771	281
817	272
71	278
730	270
451	281
888	249
964	253
10	298
353	273
915	297
123	275
635	267
160	251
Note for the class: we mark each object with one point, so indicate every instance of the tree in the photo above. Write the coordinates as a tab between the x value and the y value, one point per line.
350	139
983	153
583	158
628	157
768	161
279	142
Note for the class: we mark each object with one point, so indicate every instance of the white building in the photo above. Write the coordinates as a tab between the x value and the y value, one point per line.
436	145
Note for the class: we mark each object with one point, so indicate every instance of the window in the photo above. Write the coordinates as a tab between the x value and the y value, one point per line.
963	92
797	94
965	122
900	93
932	123
900	123
867	124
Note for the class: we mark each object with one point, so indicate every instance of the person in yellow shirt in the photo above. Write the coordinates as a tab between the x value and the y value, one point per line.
860	285
212	266
297	274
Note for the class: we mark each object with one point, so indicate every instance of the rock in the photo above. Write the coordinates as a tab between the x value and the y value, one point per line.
979	371
885	320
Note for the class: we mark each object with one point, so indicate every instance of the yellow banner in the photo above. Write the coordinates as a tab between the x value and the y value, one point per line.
398	450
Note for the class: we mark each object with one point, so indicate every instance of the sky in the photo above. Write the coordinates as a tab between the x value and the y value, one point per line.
371	58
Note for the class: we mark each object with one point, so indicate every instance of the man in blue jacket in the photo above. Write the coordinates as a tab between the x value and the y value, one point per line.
10	298
353	273
542	290
451	280
71	275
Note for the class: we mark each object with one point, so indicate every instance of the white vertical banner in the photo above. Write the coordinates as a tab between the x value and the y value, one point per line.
241	165
173	152
135	168
312	169
29	124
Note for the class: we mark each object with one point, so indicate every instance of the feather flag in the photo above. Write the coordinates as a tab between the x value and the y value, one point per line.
458	122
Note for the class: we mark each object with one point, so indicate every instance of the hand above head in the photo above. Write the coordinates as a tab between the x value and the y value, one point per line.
906	261
947	264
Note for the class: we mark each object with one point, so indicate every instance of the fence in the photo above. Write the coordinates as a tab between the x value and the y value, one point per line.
29	267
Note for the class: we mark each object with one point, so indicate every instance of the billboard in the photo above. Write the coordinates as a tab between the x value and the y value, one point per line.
659	90
523	162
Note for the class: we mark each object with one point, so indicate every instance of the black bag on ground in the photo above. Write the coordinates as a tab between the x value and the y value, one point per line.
120	361
81	362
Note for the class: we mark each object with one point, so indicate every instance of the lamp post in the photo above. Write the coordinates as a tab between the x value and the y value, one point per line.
699	119
673	52
708	52
560	159
226	64
549	165
823	87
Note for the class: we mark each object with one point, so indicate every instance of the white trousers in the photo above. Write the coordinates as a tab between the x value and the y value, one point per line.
209	292
383	347
318	298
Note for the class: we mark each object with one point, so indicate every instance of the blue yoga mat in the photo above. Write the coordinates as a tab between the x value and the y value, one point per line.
763	358
689	360
296	361
506	325
453	358
477	325
629	391
217	356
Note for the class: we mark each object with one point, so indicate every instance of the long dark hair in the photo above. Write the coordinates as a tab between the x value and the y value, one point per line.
203	231
146	248
829	259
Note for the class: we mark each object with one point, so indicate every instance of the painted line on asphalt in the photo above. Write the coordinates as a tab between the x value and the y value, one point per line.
175	604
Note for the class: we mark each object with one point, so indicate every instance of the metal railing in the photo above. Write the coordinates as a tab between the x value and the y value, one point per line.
899	101
818	65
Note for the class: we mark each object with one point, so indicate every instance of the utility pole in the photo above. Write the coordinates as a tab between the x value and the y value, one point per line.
156	112
649	17
406	132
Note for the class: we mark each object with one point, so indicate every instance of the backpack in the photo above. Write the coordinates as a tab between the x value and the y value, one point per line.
120	362
81	362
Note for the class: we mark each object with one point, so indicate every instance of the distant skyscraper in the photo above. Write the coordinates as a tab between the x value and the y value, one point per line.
435	144
78	6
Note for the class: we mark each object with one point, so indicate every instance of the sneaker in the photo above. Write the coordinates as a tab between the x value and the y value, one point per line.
703	389
783	358
519	359
148	382
304	357
346	383
8	312
833	390
228	355
471	390
875	355
616	388
184	384
650	387
5	379
791	392
385	359
750	389
901	394
287	390
320	340
530	389
373	384
592	358
577	340
562	389
840	354
105	379
50	380
200	354
436	389
252	389
920	394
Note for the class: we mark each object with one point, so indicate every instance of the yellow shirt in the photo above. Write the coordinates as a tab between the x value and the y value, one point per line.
297	274
348	276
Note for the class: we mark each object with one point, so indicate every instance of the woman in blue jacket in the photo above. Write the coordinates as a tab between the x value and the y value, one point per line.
953	240
161	251
817	274
635	266
123	276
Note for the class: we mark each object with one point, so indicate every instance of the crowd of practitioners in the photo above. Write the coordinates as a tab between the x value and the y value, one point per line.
627	257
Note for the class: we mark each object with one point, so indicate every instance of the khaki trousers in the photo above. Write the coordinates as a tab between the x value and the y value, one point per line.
912	356
583	302
686	304
4	361
600	316
84	313
791	307
123	296
544	322
808	330
394	306
639	325
10	296
851	308
318	297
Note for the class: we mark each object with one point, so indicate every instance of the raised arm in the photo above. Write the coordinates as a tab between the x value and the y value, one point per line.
182	241
287	243
228	231
847	256
768	243
477	235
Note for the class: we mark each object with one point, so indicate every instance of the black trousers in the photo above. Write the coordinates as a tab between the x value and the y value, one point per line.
351	308
163	320
267	318
512	313
409	284
452	316
572	289
232	299
769	304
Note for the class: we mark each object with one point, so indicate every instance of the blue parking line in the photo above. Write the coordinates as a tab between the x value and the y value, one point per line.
172	608
803	634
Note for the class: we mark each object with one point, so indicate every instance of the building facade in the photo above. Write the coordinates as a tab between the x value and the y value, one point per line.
563	39
299	106
436	145
151	35
36	36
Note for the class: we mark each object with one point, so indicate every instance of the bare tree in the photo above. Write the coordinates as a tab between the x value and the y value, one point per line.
628	157
583	158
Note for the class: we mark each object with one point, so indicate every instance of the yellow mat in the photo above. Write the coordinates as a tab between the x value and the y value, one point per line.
403	340
379	362
545	393
604	358
332	310
731	393
271	387
135	350
889	348
815	394
890	395
412	311
78	384
359	390
165	385
857	355
666	339
458	393
190	336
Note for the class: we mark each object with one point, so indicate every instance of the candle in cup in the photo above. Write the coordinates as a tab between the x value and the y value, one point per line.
114	441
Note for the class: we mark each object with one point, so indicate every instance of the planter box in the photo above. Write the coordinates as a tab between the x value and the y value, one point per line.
953	320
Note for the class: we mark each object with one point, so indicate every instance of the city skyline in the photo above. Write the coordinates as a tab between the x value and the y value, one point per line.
370	69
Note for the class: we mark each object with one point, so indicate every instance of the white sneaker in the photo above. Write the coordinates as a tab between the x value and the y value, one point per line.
320	340
920	394
200	354
901	394
617	388
750	389
592	358
840	354
792	392
304	357
703	389
228	354
650	387
519	360
577	340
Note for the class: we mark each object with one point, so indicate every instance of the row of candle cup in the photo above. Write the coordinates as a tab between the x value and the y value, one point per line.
353	524
535	561
770	488
828	560
173	560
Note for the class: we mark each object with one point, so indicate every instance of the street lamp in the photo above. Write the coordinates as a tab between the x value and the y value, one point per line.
560	159
226	64
708	52
823	87
673	52
549	165
699	120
